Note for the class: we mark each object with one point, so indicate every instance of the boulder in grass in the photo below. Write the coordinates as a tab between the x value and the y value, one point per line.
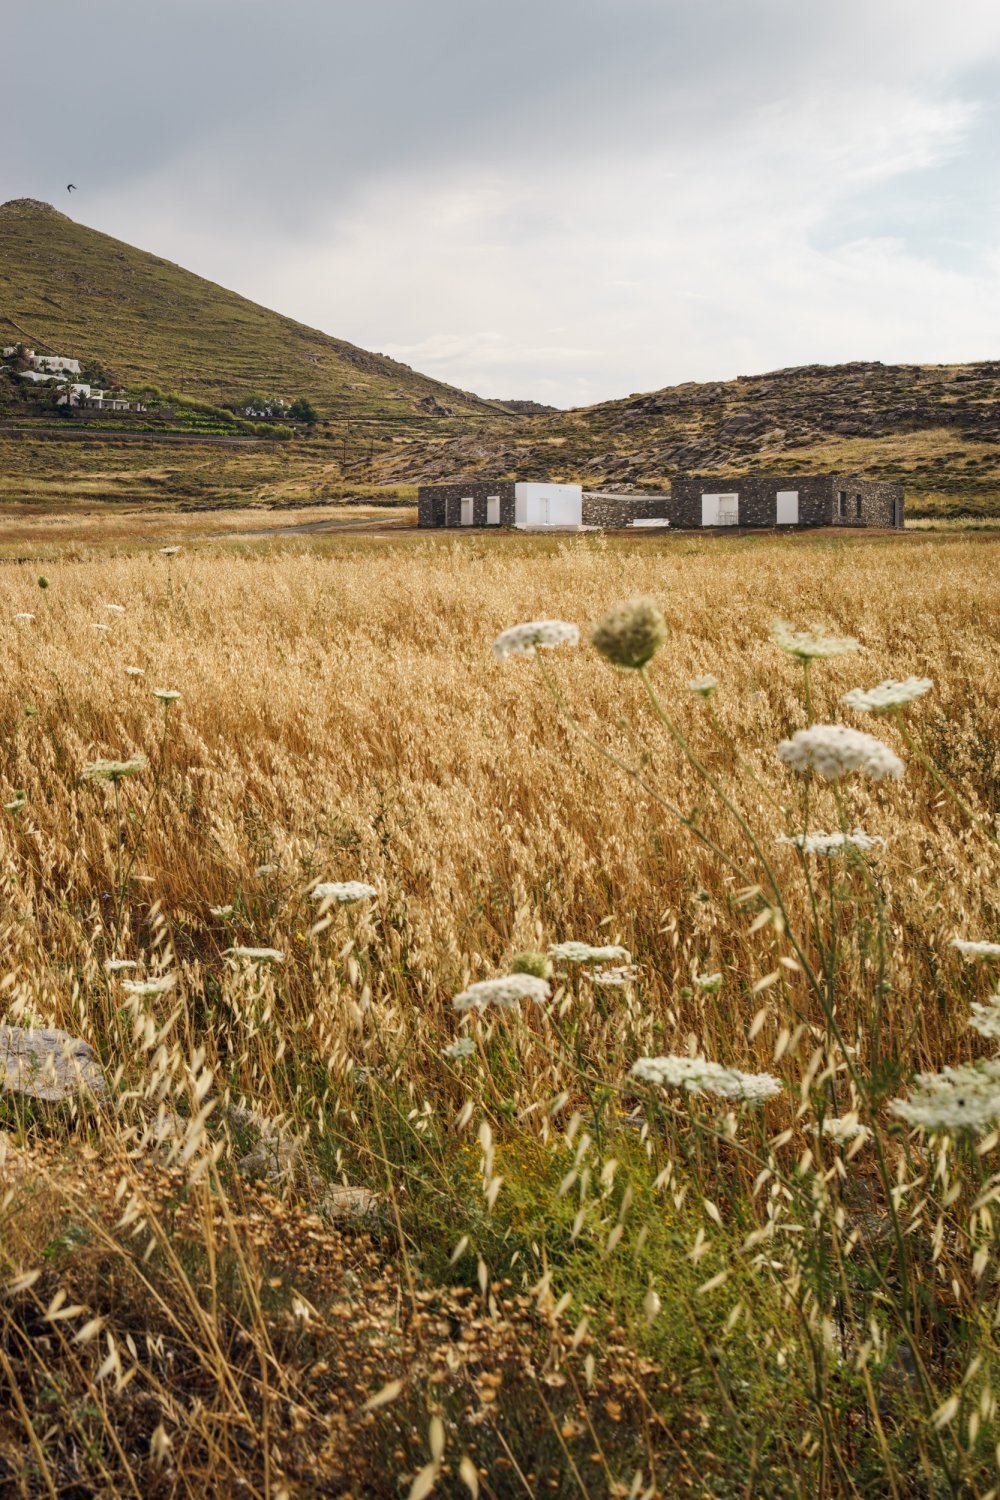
49	1065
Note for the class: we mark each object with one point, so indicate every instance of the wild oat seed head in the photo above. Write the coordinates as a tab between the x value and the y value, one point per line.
525	640
505	992
586	953
114	770
703	686
343	891
826	845
699	1076
814	644
630	634
975	949
257	955
834	750
889	696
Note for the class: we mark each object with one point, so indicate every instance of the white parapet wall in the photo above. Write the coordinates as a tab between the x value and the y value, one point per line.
546	506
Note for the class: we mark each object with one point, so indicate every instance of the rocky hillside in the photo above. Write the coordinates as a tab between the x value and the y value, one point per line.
68	289
936	427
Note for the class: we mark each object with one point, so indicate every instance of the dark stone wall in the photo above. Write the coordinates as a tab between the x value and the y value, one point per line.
758	498
436	502
866	502
622	510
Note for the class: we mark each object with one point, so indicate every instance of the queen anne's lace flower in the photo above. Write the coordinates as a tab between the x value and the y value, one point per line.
464	1047
120	965
343	891
962	1098
810	645
114	770
976	950
829	844
834	750
170	551
889	696
146	989
166	695
708	982
630	634
699	1076
115	609
525	640
845	1128
257	955
985	1017
586	953
24	614
505	992
615	978
705	686
135	671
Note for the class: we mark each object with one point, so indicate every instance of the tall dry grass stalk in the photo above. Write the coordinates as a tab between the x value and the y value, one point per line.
341	717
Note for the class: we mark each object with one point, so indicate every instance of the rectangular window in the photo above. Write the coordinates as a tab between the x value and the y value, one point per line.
787	508
493	510
842	505
467	506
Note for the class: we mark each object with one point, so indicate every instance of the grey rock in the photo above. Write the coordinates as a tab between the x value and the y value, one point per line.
47	1064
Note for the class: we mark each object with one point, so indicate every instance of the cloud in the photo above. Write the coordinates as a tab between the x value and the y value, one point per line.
565	199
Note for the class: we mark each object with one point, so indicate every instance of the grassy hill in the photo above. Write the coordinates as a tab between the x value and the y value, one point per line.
934	427
68	289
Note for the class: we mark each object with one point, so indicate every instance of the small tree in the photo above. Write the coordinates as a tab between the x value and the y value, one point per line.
302	410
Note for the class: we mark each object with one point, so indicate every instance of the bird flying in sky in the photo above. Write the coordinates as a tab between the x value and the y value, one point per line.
71	187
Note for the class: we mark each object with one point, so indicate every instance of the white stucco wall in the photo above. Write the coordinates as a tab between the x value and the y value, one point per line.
548	505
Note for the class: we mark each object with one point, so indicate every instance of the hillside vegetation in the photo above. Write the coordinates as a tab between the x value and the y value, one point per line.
68	289
936	428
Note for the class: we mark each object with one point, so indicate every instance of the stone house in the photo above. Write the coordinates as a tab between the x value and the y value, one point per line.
532	507
797	500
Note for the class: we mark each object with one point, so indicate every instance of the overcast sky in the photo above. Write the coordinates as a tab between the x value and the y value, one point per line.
559	199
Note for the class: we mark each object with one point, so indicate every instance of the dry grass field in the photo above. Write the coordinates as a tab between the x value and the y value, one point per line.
567	1280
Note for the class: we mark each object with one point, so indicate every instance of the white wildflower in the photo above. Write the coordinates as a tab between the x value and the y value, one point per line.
114	770
845	1128
166	695
586	953
343	891
888	696
20	799
699	1076
100	625
115	609
834	750
985	1017
615	978
811	645
464	1047
24	614
962	1098
708	982
505	992
976	950
135	671
170	551
828	844
266	870
705	686
257	955
146	989
222	911
524	640
120	965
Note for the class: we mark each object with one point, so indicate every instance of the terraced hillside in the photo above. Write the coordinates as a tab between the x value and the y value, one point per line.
68	289
935	427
